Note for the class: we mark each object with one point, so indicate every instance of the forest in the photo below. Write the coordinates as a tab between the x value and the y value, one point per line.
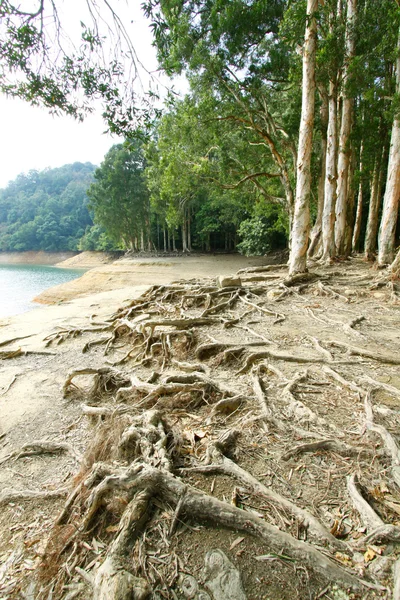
46	210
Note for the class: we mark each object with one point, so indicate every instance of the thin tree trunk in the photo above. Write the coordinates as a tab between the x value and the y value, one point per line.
350	217
301	219
395	266
357	226
328	217
165	239
373	211
173	241
345	130
387	231
184	235
189	233
316	232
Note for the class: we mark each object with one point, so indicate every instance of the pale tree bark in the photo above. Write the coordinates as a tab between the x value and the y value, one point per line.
395	266
301	218
189	232
345	130
350	205
328	216
373	210
316	232
387	231
355	244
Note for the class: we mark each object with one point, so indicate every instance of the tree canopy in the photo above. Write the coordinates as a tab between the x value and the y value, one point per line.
46	210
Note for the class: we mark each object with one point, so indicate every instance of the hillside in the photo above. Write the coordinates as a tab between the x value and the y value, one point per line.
46	210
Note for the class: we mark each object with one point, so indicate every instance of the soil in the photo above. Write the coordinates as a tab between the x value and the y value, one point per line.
215	445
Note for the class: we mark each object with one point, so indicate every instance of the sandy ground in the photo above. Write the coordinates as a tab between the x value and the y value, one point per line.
98	292
127	272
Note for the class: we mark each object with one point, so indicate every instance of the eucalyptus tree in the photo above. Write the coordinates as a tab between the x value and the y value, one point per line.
233	50
119	197
61	58
301	221
344	155
392	193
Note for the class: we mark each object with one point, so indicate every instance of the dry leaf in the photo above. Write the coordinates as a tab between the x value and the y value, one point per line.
369	555
236	543
344	559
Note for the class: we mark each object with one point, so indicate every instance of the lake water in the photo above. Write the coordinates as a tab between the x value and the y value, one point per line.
19	284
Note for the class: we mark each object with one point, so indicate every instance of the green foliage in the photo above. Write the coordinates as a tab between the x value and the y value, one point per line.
95	238
46	210
265	231
119	197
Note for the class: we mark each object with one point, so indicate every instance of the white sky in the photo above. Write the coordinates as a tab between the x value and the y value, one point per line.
31	138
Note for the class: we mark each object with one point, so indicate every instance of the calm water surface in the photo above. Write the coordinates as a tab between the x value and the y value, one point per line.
19	284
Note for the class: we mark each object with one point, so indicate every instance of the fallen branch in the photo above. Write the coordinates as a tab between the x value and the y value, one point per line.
13	380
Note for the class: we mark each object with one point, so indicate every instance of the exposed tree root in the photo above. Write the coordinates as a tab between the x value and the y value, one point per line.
368	516
42	447
166	418
366	379
106	380
388	439
113	580
200	507
8	495
270	354
264	269
378	356
225	466
328	445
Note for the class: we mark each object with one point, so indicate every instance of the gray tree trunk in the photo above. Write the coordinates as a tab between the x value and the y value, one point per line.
301	218
392	193
328	217
316	232
373	210
345	130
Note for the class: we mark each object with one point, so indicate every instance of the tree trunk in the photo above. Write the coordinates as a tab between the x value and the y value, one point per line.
184	235
350	218
395	266
301	219
165	239
189	233
345	130
328	217
173	241
373	212
357	226
316	232
387	231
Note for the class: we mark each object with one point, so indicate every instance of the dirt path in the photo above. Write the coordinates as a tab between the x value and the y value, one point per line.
238	442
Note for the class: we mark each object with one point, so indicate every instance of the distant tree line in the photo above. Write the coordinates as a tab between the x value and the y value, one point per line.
46	210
